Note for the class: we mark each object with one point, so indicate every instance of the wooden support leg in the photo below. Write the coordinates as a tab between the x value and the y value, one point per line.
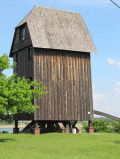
90	127
36	130
67	127
16	129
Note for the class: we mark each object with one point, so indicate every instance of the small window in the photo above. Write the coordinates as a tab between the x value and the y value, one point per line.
22	33
29	53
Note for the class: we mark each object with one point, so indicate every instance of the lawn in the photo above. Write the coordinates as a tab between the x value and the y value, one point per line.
60	146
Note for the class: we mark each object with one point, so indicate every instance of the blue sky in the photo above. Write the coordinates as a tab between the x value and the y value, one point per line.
103	21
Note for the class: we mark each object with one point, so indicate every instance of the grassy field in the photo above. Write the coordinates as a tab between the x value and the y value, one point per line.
60	146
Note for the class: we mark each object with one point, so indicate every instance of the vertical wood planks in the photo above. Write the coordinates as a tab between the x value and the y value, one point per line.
68	79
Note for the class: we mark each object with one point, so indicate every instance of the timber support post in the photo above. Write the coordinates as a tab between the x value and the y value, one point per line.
67	130
16	129
90	127
36	130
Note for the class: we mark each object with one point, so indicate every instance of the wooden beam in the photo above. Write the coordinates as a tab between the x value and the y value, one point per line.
90	127
16	129
36	130
106	115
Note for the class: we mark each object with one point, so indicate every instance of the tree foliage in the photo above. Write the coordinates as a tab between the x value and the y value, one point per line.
4	63
116	127
17	93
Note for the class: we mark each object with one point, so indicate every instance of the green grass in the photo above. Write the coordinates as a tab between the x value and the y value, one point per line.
60	146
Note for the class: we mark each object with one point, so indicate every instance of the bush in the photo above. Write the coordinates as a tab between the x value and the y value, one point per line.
101	126
116	127
85	126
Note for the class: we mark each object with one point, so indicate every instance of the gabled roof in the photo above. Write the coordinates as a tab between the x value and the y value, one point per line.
56	29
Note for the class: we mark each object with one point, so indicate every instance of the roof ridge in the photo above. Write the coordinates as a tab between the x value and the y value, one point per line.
56	9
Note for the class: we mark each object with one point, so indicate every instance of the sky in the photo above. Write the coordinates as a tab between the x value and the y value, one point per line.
103	21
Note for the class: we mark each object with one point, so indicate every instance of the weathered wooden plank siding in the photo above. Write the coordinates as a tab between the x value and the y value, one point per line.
67	76
21	44
24	66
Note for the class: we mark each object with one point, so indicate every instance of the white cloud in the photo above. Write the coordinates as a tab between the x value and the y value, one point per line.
118	83
110	61
108	101
98	97
117	88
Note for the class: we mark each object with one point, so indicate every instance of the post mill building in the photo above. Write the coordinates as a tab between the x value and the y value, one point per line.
53	47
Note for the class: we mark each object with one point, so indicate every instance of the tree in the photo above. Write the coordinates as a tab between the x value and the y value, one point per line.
17	93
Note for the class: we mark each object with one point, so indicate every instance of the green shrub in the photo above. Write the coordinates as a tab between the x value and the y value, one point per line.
85	126
101	126
116	127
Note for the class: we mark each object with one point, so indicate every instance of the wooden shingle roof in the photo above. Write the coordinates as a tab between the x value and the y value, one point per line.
56	29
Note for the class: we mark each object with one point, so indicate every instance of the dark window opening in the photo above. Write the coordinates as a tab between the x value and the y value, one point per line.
29	53
22	33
